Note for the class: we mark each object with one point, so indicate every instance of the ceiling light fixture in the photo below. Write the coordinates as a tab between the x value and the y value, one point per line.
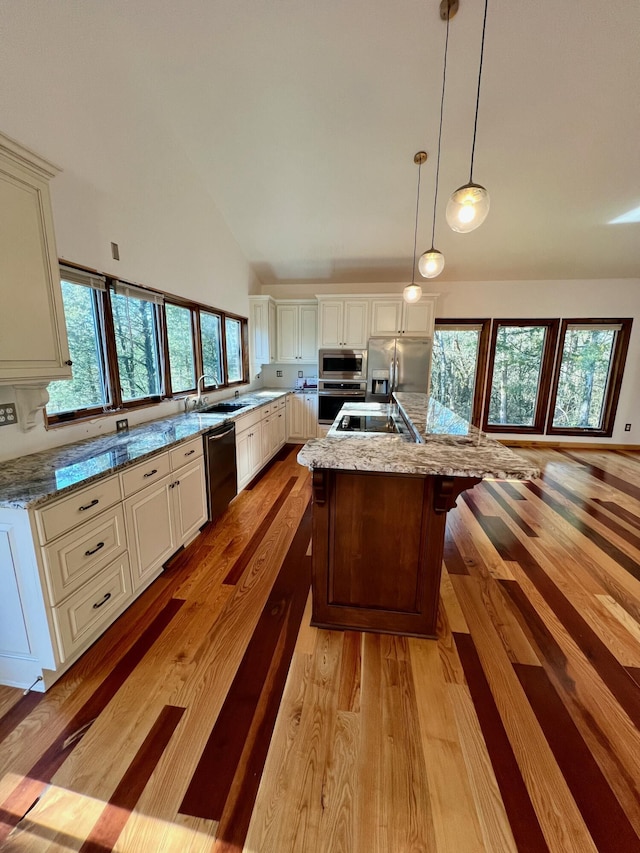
469	205
413	291
431	262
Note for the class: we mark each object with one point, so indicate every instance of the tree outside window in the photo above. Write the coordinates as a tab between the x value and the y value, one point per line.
459	347
233	332
134	323
179	325
211	339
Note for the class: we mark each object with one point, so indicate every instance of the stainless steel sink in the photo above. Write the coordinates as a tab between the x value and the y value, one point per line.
222	408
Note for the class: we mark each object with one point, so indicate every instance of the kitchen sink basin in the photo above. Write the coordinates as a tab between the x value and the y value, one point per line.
222	408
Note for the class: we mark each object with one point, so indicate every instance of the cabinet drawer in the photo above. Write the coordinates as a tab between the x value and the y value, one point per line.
90	609
281	403
247	421
79	507
79	555
136	478
189	451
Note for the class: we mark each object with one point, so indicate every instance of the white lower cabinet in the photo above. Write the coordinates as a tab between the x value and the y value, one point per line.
164	515
302	416
69	568
259	435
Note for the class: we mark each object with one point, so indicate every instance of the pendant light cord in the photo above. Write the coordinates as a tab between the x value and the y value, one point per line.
475	123
444	79
415	232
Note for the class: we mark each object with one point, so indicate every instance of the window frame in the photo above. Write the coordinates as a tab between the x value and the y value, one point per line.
544	384
109	358
614	381
458	324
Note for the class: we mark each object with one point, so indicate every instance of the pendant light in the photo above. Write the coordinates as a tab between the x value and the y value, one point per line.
469	204
431	262
413	291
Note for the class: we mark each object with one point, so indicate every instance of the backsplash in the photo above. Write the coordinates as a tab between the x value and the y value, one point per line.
289	374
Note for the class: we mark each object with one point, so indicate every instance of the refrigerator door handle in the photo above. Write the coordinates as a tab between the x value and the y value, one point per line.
395	374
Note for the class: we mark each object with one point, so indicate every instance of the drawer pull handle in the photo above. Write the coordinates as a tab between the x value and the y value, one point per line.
95	550
106	598
151	473
94	502
190	453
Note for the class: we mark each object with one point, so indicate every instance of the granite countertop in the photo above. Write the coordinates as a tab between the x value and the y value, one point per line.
444	445
31	480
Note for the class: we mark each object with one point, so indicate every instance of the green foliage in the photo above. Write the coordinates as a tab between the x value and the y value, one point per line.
85	388
453	369
211	339
181	358
234	349
135	332
516	375
584	376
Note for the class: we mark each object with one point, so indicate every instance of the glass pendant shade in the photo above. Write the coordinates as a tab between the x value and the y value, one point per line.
431	263
467	208
412	293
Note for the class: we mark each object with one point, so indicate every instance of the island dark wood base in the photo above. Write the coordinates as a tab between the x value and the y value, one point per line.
377	549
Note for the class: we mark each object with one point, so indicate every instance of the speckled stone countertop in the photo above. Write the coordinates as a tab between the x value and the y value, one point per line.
31	480
444	445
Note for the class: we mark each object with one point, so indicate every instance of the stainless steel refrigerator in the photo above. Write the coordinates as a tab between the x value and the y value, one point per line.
397	364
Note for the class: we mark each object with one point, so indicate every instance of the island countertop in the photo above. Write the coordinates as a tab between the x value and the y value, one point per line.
28	481
445	445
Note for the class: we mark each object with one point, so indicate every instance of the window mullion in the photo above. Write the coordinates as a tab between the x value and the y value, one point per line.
112	356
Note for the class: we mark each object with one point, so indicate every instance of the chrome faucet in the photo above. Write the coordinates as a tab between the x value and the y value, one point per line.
198	400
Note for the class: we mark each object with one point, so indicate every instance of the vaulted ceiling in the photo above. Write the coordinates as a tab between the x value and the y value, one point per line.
301	118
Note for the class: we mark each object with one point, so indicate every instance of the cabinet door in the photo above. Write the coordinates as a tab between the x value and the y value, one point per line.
14	639
150	531
356	323
331	323
189	500
297	415
418	317
33	335
244	460
266	440
287	333
308	334
272	331
311	416
256	447
259	332
386	317
281	428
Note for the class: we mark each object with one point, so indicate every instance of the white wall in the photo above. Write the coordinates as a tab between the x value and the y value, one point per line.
522	299
124	179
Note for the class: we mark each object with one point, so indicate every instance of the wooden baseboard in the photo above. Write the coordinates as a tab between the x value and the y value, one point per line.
565	445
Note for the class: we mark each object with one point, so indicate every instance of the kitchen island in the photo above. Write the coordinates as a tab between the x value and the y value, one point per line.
380	500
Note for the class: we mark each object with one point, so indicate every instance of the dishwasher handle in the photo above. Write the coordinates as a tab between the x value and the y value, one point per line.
212	437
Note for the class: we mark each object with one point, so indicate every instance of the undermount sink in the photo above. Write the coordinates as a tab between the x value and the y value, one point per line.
222	408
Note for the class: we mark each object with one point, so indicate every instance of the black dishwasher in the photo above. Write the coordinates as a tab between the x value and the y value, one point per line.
222	477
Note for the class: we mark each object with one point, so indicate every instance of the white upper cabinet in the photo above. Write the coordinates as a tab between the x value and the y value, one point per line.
33	336
394	316
262	331
343	323
297	323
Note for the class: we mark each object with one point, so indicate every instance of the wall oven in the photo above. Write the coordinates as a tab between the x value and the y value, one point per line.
343	364
333	394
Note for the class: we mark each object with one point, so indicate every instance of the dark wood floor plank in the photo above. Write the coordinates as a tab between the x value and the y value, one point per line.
586	507
520	812
16	714
209	788
453	558
52	759
511	512
598	539
600	809
123	800
606	477
620	511
250	548
511	490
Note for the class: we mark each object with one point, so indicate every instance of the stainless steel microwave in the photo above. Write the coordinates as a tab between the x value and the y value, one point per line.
342	364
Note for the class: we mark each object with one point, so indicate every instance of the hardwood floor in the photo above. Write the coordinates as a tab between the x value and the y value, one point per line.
212	717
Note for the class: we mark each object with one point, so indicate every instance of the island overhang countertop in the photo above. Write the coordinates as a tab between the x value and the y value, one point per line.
443	444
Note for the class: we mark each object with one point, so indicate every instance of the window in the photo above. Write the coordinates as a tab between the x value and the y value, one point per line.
136	339
211	342
129	347
458	366
233	338
519	374
86	391
588	376
182	363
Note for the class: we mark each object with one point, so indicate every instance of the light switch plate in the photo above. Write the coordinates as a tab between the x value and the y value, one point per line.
8	414
122	425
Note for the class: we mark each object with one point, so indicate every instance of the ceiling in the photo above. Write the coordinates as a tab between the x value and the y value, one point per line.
301	118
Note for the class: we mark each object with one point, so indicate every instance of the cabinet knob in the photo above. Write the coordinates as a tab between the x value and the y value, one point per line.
68	362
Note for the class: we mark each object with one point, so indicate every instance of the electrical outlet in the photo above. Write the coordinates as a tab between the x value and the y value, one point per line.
627	427
300	374
8	414
279	373
122	425
115	251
